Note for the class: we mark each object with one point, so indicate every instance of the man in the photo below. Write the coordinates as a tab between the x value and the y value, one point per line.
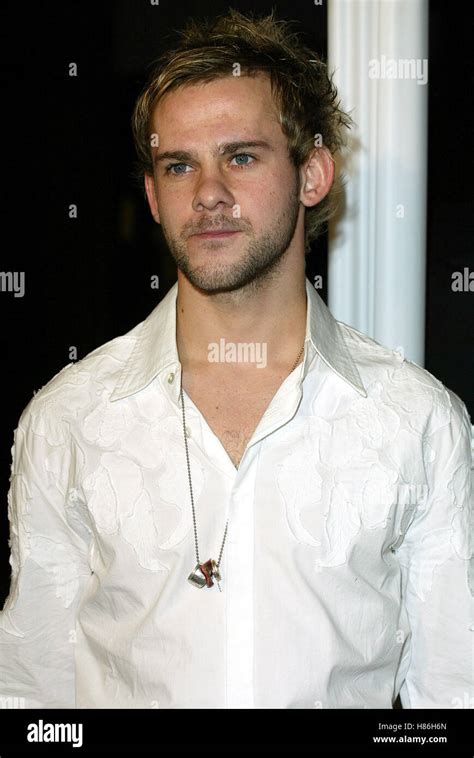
241	503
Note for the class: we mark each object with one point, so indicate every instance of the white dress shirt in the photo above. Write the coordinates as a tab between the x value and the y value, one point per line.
345	569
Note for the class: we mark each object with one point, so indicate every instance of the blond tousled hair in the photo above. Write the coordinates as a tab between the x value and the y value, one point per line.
303	92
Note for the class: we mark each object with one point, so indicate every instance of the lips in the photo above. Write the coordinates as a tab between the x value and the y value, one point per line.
215	232
221	234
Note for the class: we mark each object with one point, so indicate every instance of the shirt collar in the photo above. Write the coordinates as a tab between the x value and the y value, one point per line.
155	352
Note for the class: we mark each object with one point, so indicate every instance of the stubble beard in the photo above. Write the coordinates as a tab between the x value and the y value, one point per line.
259	262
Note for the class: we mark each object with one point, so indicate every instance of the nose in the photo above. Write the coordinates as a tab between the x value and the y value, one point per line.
211	190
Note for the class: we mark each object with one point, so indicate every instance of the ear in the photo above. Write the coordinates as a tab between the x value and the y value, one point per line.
151	195
316	176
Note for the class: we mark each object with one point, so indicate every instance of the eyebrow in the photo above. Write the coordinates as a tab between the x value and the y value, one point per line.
225	149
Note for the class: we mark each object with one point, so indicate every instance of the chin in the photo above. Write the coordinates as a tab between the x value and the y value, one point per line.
213	281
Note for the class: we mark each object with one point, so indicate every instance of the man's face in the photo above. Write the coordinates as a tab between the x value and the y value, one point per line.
251	190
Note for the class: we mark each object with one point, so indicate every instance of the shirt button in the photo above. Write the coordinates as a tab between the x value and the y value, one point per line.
188	431
170	378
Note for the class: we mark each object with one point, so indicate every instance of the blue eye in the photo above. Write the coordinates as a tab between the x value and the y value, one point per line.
174	165
243	155
170	168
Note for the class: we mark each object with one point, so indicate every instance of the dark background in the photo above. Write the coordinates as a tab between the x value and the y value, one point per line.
68	140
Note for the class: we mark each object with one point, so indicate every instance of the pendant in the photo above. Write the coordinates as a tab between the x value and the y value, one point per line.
207	571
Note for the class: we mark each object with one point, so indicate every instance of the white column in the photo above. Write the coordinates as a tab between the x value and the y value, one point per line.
378	50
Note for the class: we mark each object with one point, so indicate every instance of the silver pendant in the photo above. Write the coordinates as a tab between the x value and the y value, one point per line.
203	573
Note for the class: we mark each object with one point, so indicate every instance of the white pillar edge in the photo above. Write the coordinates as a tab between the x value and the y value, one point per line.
377	245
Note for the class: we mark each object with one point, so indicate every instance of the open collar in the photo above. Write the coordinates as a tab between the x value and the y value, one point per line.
155	350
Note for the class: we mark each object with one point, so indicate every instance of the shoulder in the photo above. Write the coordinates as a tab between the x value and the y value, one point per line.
77	389
409	389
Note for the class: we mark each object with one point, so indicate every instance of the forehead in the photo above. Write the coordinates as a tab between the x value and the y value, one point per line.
218	105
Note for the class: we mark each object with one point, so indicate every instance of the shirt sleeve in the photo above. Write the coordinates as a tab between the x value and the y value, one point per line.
435	563
49	566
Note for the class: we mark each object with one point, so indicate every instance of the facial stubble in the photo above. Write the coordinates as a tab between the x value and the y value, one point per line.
261	259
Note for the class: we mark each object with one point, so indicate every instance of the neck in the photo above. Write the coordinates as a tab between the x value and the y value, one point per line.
270	316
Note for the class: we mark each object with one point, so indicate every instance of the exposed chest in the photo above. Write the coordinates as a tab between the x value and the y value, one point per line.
232	409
